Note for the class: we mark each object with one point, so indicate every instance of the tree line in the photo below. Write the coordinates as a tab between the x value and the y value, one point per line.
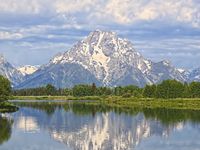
172	89
166	89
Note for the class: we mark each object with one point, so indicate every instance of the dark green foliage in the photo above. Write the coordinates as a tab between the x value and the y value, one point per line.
104	91
94	88
186	93
149	91
131	90
66	92
5	93
90	90
5	129
42	91
5	88
51	90
6	107
166	89
194	89
83	90
170	89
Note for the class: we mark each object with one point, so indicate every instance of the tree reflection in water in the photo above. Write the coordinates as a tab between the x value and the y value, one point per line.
84	125
5	129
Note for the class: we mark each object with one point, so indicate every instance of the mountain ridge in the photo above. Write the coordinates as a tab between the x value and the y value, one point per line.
10	72
105	59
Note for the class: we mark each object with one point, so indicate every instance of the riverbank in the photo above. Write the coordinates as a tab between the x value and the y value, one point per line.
181	104
121	102
7	107
55	98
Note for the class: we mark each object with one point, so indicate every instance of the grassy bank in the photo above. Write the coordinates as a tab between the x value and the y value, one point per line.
7	107
117	101
55	98
183	104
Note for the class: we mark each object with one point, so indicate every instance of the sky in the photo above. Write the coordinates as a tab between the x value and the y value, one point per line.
33	31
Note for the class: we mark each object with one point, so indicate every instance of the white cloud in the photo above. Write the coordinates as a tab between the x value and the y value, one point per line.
4	35
131	11
22	6
121	12
67	6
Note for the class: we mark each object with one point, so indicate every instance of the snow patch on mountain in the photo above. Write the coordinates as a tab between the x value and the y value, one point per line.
181	70
28	69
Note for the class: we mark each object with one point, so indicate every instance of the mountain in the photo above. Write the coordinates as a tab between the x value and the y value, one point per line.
194	75
105	59
28	69
59	75
10	72
164	70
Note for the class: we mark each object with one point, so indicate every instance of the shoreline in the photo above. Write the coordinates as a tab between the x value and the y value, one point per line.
118	101
55	98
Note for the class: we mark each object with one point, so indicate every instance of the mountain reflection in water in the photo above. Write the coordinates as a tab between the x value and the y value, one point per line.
87	127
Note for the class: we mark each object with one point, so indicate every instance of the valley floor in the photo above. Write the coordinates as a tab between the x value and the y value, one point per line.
132	102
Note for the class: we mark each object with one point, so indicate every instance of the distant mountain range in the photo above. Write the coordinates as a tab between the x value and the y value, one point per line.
102	58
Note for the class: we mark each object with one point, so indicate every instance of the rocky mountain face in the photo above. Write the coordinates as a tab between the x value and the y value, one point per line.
10	72
59	75
105	59
112	60
164	70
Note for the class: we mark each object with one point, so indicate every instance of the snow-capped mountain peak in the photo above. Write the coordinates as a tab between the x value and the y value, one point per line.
28	69
100	52
106	59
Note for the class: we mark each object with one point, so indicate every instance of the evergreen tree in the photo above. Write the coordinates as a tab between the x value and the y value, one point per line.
51	90
170	89
82	90
94	88
194	89
186	93
149	91
5	88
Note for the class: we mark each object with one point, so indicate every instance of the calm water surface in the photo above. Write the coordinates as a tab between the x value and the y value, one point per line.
77	126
